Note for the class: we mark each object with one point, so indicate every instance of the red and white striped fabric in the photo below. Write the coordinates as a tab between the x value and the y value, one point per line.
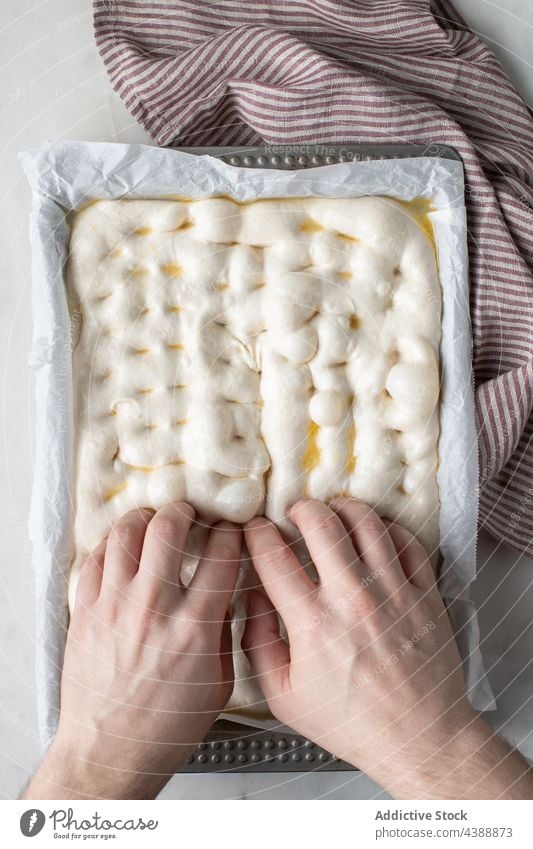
365	71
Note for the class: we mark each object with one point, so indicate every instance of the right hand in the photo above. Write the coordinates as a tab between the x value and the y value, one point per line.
371	670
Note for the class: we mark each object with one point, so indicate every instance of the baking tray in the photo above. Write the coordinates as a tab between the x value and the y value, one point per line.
230	746
291	157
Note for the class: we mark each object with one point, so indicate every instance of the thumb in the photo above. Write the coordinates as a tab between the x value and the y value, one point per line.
266	651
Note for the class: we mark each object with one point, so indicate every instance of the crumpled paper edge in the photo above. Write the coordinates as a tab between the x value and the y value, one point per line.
67	174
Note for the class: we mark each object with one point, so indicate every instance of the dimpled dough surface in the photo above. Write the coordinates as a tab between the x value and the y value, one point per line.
239	356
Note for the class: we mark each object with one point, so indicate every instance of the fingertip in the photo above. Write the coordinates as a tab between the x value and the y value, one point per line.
341	501
228	532
184	509
225	525
299	505
146	512
256	523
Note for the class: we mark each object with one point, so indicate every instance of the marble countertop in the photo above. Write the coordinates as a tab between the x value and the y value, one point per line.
53	86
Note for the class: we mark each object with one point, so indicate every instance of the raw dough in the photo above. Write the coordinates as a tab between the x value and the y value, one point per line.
237	356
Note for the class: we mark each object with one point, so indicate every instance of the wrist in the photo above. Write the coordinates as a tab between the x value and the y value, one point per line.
468	762
67	772
486	767
432	763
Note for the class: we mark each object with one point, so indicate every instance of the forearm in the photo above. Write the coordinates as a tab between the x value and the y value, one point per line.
66	774
474	763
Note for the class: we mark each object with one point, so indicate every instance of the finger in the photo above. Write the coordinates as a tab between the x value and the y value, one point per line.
216	574
90	578
372	542
413	557
267	652
328	542
124	547
281	573
226	652
162	553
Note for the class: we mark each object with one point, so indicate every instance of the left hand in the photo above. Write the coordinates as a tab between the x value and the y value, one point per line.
148	663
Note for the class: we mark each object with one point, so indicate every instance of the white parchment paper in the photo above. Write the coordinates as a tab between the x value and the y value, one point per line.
66	175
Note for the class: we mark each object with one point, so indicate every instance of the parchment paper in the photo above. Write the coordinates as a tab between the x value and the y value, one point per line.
66	175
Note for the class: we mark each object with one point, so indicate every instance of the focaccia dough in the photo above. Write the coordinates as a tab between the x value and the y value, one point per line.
239	356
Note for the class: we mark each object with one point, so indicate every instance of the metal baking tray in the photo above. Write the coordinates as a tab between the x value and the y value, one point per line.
290	157
230	746
233	747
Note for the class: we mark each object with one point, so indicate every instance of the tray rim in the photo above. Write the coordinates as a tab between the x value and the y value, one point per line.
355	152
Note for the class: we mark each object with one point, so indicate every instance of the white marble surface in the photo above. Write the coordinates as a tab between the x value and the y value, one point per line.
52	85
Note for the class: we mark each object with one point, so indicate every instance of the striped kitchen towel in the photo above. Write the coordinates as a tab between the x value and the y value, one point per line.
407	71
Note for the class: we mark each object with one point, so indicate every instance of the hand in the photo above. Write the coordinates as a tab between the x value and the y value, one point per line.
148	663
371	670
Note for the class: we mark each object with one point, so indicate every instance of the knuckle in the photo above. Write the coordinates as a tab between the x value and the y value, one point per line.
363	605
403	599
109	610
312	626
192	635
